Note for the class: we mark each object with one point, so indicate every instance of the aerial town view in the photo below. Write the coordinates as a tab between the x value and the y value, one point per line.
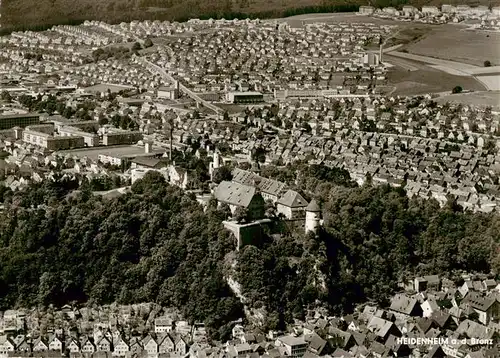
309	181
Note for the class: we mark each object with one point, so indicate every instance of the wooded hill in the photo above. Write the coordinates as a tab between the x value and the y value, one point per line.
41	14
157	244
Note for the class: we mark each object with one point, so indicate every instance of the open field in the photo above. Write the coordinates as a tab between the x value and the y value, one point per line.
425	79
458	66
453	42
492	82
491	98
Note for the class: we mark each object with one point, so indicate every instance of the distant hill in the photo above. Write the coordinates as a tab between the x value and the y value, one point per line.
38	14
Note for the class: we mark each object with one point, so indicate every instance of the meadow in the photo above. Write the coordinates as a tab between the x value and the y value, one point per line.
456	43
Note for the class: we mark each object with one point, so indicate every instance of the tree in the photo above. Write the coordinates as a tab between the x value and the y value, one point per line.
490	146
136	46
487	63
222	174
148	43
270	209
240	214
259	154
225	211
457	89
5	96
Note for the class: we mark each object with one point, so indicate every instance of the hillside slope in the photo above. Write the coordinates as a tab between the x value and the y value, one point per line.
18	14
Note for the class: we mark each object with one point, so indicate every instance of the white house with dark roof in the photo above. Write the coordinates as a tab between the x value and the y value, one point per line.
292	205
6	345
487	308
239	195
163	324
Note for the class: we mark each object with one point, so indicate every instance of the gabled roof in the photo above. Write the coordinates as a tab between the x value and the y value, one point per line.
474	330
403	304
235	193
440	317
292	199
424	324
148	339
478	302
268	186
379	326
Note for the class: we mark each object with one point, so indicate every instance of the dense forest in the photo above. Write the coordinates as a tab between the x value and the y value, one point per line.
20	15
372	238
157	244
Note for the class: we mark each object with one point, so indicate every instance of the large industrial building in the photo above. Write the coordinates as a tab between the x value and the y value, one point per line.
121	137
19	120
42	136
244	97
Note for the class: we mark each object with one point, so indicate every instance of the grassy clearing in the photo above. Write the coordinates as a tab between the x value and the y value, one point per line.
454	43
429	80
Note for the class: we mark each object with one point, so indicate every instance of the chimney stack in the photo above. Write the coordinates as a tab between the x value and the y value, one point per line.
148	147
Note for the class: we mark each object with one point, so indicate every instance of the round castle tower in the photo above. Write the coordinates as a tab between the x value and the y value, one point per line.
313	216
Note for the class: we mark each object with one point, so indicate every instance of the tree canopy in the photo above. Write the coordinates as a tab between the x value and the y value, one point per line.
153	245
157	244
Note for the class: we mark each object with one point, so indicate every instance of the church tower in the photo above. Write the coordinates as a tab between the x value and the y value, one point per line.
215	163
313	216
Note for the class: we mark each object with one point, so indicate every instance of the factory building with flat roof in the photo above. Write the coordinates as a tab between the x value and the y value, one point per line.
19	120
244	97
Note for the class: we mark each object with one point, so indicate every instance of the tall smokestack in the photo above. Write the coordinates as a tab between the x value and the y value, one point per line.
381	52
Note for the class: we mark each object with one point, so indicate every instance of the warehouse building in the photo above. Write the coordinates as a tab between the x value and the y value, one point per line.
19	120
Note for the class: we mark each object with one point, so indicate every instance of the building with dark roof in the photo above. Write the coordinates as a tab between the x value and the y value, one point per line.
270	189
405	305
487	308
292	205
239	195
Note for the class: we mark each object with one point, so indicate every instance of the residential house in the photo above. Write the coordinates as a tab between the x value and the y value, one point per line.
6	345
88	347
178	176
424	283
163	324
239	350
73	345
104	344
39	345
487	308
181	347
56	344
166	344
382	328
150	346
121	348
405	305
429	306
